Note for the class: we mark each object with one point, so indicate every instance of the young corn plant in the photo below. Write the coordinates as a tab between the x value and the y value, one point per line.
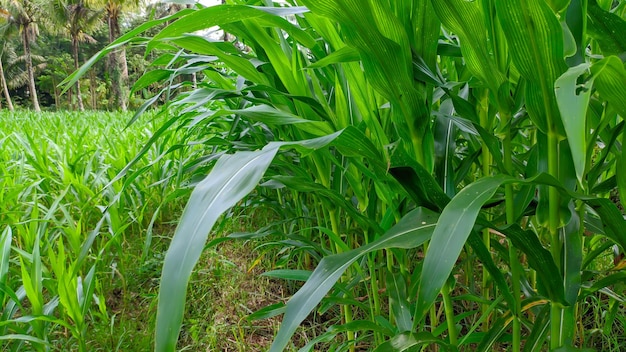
59	222
453	170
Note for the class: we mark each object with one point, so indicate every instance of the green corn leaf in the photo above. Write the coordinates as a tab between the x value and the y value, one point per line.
225	14
425	41
558	5
612	220
5	250
396	286
445	145
454	227
267	312
610	81
535	39
150	77
498	327
539	332
409	341
231	179
86	294
383	44
467	20
301	184
573	100
22	337
607	29
273	116
539	258
486	259
572	267
450	235
608	281
343	55
241	65
413	230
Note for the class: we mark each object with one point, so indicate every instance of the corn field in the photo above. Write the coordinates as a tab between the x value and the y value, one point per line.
443	175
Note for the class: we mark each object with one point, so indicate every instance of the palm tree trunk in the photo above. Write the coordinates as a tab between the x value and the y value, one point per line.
5	89
29	68
117	62
79	97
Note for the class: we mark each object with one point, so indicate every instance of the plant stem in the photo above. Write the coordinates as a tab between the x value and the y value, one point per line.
347	310
432	313
510	219
555	243
449	309
483	113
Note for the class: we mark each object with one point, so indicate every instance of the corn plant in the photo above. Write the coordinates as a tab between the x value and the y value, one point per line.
452	170
61	224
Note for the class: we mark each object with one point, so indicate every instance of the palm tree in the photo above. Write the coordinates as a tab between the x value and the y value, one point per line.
75	18
3	81
117	65
4	15
22	15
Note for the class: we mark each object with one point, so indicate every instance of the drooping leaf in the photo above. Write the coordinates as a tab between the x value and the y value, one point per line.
231	179
612	220
225	14
486	260
413	230
573	100
539	258
288	274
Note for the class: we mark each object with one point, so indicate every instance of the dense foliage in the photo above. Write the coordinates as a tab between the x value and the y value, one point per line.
452	170
444	174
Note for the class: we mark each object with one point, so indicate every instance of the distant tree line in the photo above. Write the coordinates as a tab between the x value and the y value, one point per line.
44	41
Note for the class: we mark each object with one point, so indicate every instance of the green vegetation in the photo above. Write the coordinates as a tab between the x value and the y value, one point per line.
81	260
43	41
415	175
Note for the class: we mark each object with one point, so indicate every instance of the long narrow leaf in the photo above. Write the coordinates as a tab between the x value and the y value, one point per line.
453	228
413	230
232	178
